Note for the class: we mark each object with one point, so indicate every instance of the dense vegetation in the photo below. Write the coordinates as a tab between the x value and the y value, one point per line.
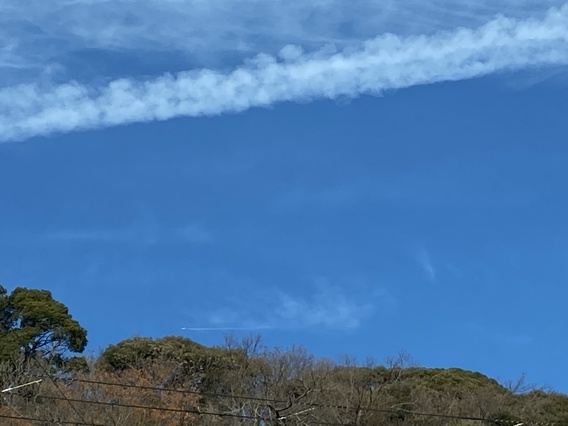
176	381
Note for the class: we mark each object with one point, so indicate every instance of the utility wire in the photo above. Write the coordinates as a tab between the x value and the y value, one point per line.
59	389
147	407
67	422
39	420
76	423
189	411
272	400
250	417
276	401
260	418
182	391
395	412
306	404
183	411
11	388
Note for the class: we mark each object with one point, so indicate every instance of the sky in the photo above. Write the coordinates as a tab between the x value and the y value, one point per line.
359	178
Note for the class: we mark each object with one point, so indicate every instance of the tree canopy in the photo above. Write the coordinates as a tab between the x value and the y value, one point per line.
173	380
32	322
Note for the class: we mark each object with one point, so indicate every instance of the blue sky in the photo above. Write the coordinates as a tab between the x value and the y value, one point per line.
356	178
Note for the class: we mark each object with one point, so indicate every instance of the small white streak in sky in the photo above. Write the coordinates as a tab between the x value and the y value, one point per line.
383	63
145	230
226	328
423	259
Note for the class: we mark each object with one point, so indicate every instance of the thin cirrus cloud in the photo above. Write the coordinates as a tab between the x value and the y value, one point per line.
39	32
425	263
147	231
511	337
328	307
227	328
383	63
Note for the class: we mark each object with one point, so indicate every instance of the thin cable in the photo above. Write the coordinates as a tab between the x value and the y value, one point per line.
400	411
38	420
259	418
183	391
147	407
10	389
59	389
307	404
183	411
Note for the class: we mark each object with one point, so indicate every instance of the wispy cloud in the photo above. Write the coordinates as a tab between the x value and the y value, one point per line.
197	234
226	328
86	235
331	196
43	33
351	193
510	337
423	259
383	63
328	306
146	230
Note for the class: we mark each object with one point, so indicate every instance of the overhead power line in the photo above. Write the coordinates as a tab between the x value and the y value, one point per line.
177	410
189	411
282	401
43	420
309	406
250	417
80	423
181	391
148	407
59	389
263	418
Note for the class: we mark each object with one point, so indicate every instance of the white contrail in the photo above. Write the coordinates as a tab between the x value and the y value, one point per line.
226	328
386	62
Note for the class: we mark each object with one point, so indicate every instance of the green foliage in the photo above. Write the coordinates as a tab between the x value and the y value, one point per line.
32	322
452	379
130	353
204	366
137	352
276	384
76	363
550	405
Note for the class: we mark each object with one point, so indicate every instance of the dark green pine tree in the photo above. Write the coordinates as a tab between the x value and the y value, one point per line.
33	323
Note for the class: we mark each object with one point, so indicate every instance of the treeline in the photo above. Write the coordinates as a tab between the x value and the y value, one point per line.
176	381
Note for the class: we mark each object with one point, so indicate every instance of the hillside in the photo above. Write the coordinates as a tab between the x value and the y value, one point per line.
176	381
